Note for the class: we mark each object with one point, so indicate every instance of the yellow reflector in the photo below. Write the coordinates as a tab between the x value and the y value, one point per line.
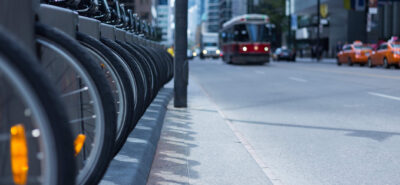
19	154
78	143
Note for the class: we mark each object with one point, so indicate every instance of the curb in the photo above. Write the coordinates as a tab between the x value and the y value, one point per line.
133	163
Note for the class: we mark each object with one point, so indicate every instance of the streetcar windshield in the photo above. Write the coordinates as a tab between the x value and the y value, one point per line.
252	33
210	44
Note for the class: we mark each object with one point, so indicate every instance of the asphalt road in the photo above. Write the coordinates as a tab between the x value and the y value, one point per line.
312	123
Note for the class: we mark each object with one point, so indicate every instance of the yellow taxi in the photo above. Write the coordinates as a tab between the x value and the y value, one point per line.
354	53
387	54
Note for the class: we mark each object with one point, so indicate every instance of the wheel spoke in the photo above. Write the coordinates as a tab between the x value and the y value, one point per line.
83	119
75	92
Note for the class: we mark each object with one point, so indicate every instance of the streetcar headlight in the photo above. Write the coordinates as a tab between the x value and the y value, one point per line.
204	51
244	48
266	49
218	52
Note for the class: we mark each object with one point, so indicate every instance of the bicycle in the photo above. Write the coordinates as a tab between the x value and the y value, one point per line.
35	140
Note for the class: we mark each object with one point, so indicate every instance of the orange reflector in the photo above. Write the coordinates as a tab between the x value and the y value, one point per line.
102	65
78	143
19	154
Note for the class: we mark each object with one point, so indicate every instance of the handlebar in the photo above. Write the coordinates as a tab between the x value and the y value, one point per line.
118	15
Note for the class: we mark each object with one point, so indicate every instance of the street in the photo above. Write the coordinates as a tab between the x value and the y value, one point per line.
311	123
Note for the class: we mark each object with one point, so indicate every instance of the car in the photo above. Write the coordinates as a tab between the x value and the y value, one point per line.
387	54
276	53
354	53
189	54
284	54
195	53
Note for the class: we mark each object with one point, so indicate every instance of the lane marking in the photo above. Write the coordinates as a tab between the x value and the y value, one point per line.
259	72
351	73
250	149
297	79
384	96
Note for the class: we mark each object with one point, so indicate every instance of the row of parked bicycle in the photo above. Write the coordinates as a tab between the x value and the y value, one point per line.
68	108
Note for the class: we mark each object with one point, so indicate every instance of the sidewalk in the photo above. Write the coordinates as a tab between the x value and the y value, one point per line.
198	147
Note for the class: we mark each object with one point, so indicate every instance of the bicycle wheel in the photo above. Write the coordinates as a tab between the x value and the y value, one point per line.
166	61
143	63
88	98
35	139
153	68
161	63
156	63
118	75
137	83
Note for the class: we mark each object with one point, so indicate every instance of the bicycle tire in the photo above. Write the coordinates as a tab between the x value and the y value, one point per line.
26	66
152	66
139	106
105	131
166	61
143	63
161	63
156	61
155	69
124	75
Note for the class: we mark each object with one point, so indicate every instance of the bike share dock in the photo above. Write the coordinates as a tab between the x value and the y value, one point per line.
79	80
132	164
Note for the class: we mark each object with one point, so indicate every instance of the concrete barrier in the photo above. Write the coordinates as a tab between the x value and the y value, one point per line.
133	163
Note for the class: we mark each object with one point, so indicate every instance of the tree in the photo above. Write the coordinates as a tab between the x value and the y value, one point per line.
275	9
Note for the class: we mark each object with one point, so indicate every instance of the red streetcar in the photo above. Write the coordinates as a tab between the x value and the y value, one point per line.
246	38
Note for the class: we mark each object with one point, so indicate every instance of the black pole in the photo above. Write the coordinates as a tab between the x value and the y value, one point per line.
290	24
318	52
181	67
366	22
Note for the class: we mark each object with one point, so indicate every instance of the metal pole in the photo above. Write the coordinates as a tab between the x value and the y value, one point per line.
318	24
366	21
181	67
290	23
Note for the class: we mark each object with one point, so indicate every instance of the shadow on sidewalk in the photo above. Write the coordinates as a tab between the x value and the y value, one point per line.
172	164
